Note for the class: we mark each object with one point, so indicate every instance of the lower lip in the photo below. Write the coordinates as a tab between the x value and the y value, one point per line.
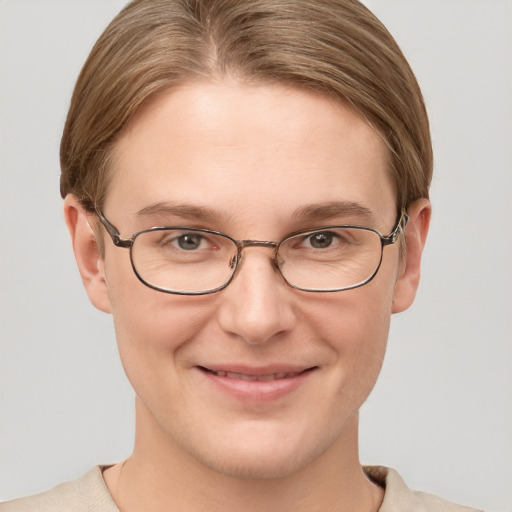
257	390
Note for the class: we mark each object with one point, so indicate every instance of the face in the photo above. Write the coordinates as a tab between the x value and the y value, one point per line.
259	379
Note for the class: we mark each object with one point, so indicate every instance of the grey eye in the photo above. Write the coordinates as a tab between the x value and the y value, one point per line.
321	240
189	242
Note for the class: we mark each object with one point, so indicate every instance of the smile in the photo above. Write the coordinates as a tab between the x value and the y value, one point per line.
261	378
256	385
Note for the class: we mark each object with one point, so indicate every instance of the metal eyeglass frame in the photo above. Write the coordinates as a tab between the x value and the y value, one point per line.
127	243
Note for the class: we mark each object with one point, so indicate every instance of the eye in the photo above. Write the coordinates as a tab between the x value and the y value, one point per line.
321	240
180	241
185	245
189	241
328	240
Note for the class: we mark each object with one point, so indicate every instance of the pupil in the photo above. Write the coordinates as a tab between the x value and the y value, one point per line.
189	242
321	240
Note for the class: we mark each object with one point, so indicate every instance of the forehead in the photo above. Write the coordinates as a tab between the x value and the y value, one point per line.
239	149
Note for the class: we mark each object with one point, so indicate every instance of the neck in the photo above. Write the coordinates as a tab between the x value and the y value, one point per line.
160	476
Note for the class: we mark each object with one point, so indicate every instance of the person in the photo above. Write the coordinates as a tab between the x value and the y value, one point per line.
246	187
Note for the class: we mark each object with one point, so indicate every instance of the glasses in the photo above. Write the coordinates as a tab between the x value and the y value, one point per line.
193	261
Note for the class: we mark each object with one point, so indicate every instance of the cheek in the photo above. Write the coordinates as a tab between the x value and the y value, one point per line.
145	318
355	319
152	339
366	354
356	327
152	328
372	320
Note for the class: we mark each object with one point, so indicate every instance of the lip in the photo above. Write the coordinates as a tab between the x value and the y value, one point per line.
256	384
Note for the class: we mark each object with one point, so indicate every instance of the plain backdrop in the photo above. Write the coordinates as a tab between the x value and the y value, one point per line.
442	410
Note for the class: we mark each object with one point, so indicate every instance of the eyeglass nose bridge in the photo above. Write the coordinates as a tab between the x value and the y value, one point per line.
236	261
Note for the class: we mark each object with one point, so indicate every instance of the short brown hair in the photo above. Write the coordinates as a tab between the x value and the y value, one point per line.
335	47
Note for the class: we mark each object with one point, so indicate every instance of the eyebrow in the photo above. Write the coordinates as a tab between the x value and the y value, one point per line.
184	210
304	214
323	211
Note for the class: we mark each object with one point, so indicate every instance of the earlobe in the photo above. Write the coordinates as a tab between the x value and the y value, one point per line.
90	262
410	268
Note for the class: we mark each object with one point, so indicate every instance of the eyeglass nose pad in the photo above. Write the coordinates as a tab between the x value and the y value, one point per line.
278	264
232	262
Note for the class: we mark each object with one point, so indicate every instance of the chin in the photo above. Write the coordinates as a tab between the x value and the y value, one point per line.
267	455
255	466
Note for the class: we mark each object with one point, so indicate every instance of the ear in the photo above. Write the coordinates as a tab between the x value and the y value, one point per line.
415	237
90	262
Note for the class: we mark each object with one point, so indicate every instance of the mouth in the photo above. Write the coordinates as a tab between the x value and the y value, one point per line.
256	384
249	378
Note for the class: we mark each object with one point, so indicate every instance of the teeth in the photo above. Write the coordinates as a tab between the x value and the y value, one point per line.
241	376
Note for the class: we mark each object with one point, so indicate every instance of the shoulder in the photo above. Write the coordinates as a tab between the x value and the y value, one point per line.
399	498
87	494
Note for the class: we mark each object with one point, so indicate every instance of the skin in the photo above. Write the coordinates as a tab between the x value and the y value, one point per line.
252	157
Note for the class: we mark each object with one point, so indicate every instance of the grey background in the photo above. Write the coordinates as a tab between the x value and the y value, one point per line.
442	411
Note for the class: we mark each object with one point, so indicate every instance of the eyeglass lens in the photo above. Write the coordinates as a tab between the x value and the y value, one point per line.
197	261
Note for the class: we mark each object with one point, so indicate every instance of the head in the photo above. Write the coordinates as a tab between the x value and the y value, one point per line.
255	118
336	48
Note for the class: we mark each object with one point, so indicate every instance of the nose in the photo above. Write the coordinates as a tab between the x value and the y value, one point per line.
257	305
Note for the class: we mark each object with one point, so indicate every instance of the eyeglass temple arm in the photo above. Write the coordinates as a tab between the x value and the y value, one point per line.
113	231
397	230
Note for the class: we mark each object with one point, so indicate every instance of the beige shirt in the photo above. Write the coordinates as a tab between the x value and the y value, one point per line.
90	494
